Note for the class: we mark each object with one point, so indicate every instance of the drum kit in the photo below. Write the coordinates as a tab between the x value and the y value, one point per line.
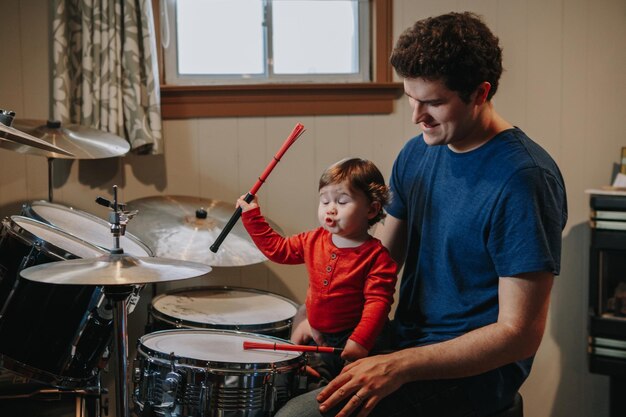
68	281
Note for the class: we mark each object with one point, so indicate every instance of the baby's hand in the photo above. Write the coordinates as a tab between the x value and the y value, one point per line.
247	206
318	337
353	351
301	333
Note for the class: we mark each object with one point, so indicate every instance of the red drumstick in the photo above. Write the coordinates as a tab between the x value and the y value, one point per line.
295	134
296	348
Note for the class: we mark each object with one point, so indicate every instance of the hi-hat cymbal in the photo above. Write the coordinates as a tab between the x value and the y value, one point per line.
180	227
113	270
17	141
83	142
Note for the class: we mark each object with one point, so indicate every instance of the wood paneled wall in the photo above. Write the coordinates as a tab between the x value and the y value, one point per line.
564	84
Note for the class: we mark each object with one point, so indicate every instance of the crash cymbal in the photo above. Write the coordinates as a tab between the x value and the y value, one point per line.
114	269
83	142
17	141
180	227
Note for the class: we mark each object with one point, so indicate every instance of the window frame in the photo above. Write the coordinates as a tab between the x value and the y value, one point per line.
269	75
375	97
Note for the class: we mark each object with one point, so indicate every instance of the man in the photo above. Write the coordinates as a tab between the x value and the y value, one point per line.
476	218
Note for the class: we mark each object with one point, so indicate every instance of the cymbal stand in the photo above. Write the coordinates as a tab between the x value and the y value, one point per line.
117	295
50	179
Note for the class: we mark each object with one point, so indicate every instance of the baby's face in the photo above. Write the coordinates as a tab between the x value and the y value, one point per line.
344	211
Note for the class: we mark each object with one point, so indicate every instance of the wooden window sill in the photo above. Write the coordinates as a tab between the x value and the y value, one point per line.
181	102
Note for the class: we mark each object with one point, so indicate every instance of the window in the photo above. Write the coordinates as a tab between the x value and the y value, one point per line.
370	90
266	41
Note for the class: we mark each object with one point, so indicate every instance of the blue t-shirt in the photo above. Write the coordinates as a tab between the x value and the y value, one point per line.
496	211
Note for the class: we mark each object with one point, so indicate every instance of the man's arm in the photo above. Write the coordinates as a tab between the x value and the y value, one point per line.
393	235
516	335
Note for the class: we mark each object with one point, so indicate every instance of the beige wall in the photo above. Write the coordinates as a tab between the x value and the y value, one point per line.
564	85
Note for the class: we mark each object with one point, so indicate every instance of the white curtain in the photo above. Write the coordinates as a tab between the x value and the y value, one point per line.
105	72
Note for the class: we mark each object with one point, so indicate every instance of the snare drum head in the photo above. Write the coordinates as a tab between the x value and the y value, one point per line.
84	226
220	306
214	346
52	239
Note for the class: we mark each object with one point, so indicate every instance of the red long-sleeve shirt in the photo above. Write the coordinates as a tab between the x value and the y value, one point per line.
348	287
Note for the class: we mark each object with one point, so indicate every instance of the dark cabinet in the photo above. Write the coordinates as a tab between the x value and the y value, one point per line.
607	295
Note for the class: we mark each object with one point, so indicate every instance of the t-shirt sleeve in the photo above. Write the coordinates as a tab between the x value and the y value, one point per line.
527	224
397	205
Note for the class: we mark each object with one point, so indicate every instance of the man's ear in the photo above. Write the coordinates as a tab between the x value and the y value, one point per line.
482	92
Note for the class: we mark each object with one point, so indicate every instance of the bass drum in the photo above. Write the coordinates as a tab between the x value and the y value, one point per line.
84	226
223	308
54	334
204	373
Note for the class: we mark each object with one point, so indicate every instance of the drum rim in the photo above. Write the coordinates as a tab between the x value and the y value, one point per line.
30	210
43	245
217	366
248	328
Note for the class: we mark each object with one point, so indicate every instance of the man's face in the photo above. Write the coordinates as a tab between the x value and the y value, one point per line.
444	118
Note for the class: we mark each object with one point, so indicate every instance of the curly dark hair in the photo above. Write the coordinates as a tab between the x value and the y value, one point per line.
456	48
362	175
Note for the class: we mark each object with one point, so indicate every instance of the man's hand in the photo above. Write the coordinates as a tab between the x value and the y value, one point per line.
364	383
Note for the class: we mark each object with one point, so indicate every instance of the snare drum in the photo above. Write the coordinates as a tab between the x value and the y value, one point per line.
55	334
202	373
84	226
223	308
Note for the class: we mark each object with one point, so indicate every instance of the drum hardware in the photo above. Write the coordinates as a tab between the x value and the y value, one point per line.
15	140
271	394
181	227
83	142
88	401
118	218
170	388
117	273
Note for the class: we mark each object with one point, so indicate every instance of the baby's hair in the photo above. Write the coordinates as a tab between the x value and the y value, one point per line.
363	175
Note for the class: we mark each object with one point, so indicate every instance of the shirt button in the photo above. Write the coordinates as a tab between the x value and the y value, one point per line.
329	268
325	282
333	256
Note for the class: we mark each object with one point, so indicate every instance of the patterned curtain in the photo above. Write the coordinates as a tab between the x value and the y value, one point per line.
105	72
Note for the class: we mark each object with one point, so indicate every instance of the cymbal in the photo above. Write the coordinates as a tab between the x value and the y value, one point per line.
83	142
173	227
21	142
114	269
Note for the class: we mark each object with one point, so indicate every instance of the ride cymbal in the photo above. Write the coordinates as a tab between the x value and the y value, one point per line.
114	269
180	227
83	142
